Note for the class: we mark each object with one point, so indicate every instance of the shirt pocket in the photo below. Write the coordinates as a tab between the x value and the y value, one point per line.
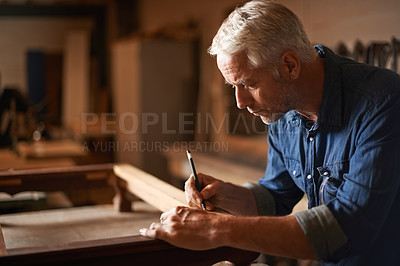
332	179
293	167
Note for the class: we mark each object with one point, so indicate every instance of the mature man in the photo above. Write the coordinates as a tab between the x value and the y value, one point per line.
333	134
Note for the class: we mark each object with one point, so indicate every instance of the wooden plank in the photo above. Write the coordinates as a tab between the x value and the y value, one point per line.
53	179
3	250
149	188
52	149
47	227
75	92
9	160
32	173
126	79
133	249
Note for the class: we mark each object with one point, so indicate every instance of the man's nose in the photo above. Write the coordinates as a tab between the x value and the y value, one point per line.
243	97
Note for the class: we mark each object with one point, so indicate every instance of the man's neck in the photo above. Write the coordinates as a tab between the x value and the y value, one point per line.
312	85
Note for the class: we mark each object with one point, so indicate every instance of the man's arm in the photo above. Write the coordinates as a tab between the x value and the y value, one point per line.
197	229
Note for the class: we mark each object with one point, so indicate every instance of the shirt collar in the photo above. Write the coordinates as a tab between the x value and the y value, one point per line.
331	109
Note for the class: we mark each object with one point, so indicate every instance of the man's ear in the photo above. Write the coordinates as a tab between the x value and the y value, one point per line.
291	65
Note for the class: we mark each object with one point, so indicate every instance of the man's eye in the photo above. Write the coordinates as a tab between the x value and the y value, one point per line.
250	86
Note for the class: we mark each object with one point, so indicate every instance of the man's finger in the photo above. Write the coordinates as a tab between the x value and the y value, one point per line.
148	232
155	230
193	197
155	226
167	214
209	206
190	183
208	192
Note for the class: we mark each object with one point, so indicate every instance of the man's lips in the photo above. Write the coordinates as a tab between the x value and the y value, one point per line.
256	113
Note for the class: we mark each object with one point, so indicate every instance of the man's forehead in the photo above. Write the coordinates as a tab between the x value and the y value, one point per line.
233	67
235	59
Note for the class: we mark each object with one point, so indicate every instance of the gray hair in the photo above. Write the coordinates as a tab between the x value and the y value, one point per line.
264	30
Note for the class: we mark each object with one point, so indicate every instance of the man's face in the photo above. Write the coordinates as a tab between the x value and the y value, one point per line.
256	89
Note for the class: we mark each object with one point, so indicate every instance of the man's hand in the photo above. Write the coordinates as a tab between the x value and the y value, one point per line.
188	228
212	191
234	199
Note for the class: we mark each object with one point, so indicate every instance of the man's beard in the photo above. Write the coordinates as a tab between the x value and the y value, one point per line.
288	99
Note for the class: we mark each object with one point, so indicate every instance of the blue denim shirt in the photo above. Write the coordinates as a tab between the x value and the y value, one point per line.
348	164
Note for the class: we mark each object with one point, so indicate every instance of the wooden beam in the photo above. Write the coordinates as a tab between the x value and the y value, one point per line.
51	149
138	250
149	188
73	170
54	179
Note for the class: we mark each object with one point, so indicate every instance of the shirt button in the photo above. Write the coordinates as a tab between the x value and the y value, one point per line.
309	177
311	139
294	172
326	173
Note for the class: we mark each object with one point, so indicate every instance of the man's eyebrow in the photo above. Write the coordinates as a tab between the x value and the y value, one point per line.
240	82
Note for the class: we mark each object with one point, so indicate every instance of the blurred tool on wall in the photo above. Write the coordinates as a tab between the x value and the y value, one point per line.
379	53
18	119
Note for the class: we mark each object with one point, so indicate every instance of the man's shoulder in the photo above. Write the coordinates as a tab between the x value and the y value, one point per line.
369	81
360	78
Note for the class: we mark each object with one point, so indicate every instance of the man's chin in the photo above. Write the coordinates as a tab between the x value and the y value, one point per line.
266	120
270	119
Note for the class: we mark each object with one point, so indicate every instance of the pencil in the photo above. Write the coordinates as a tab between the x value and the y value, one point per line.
196	180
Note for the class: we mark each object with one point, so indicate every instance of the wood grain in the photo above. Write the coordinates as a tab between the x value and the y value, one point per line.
47	227
149	188
134	250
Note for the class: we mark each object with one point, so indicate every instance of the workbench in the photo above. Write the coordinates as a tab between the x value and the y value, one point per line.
98	234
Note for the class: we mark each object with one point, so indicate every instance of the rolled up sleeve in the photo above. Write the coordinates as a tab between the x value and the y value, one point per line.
265	200
322	230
